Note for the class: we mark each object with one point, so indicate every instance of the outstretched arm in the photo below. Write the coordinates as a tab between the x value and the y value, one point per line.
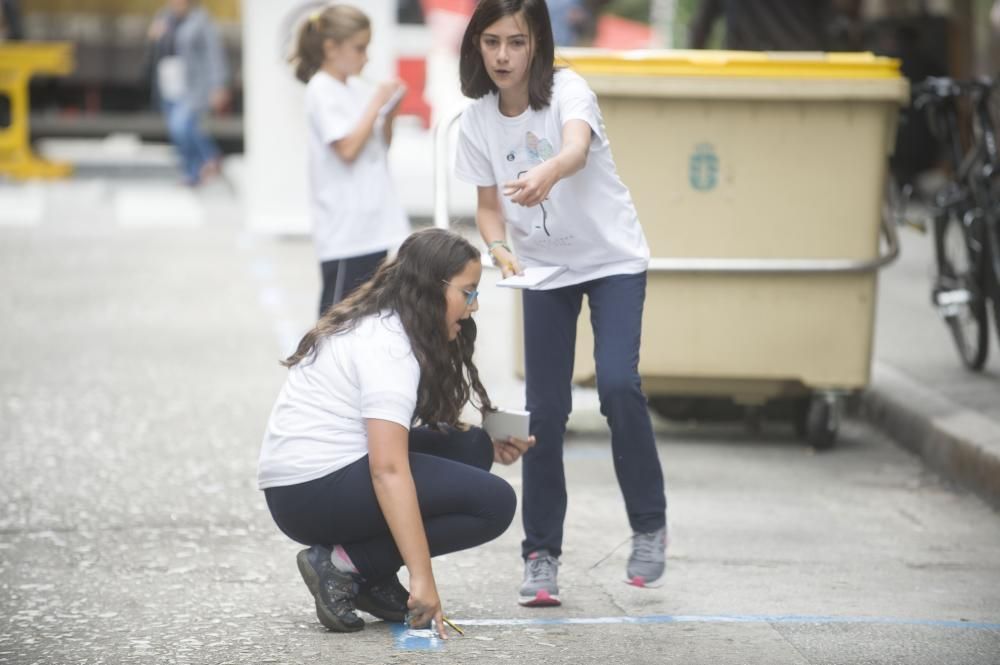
533	187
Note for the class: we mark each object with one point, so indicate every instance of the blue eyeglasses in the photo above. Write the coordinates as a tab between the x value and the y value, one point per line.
470	296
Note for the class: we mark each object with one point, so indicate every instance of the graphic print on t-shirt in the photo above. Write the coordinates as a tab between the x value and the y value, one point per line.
538	151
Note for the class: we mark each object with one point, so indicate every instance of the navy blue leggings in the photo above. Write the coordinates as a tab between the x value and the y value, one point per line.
462	504
549	342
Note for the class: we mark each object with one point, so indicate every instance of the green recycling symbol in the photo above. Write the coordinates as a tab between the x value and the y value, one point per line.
703	168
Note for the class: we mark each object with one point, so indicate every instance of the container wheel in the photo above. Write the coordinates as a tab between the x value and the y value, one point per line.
800	416
823	420
671	407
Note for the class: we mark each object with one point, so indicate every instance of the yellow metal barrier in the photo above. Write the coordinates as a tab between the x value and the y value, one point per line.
19	61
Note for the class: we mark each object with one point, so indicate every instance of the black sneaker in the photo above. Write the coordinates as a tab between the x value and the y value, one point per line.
385	600
334	590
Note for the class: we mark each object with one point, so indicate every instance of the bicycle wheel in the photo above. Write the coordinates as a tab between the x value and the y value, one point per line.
991	258
957	292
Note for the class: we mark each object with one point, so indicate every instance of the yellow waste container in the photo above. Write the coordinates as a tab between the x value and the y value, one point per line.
758	180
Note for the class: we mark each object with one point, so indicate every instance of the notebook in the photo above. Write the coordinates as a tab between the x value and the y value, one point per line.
393	102
533	277
505	423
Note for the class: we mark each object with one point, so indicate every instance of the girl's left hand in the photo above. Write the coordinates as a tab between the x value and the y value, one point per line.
533	187
219	101
157	29
508	451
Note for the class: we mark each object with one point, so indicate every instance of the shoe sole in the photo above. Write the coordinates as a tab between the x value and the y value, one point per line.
328	619
540	599
641	583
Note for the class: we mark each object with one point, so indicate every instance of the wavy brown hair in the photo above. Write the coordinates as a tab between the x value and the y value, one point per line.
411	285
334	22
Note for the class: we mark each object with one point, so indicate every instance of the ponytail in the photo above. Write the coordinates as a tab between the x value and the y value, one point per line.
308	55
336	23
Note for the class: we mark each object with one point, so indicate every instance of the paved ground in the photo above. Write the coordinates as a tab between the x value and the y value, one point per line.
920	392
138	363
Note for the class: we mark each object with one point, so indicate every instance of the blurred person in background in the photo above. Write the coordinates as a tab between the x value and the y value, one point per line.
355	213
10	21
569	18
764	25
189	76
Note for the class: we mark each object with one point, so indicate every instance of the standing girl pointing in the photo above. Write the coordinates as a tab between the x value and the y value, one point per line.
535	145
356	216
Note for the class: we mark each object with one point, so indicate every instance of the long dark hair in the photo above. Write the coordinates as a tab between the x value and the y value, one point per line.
335	22
411	286
476	81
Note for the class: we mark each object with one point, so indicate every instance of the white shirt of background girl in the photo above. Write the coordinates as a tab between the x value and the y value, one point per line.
354	207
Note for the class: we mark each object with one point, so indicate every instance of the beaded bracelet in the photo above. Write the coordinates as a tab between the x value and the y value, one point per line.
493	245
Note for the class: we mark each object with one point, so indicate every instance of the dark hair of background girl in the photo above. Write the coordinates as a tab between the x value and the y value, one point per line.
476	81
411	284
335	22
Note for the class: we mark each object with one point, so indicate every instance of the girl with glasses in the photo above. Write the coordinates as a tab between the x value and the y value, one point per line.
365	459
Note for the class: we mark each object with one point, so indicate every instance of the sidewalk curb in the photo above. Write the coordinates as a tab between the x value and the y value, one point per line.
961	445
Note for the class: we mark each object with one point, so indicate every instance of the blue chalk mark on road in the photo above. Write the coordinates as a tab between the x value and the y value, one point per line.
734	618
425	640
414	639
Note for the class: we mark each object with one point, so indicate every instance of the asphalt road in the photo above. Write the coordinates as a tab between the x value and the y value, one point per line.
138	363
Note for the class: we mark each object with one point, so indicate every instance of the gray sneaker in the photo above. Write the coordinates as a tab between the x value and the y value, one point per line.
540	588
648	558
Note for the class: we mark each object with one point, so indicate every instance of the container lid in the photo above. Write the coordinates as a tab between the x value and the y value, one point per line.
730	64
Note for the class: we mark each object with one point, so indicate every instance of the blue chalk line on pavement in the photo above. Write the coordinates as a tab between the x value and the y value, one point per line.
732	618
272	298
424	640
412	639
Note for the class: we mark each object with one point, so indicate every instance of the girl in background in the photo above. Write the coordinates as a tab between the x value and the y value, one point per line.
356	217
534	144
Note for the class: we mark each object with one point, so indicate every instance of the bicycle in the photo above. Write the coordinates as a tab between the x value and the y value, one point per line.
986	185
965	216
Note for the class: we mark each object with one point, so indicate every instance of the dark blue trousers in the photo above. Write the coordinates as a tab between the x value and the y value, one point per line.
463	505
550	318
342	276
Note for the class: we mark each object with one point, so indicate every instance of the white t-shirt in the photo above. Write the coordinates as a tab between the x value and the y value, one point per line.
354	206
588	223
317	424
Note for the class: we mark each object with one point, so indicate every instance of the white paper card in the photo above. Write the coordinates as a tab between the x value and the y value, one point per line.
533	277
393	102
505	423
